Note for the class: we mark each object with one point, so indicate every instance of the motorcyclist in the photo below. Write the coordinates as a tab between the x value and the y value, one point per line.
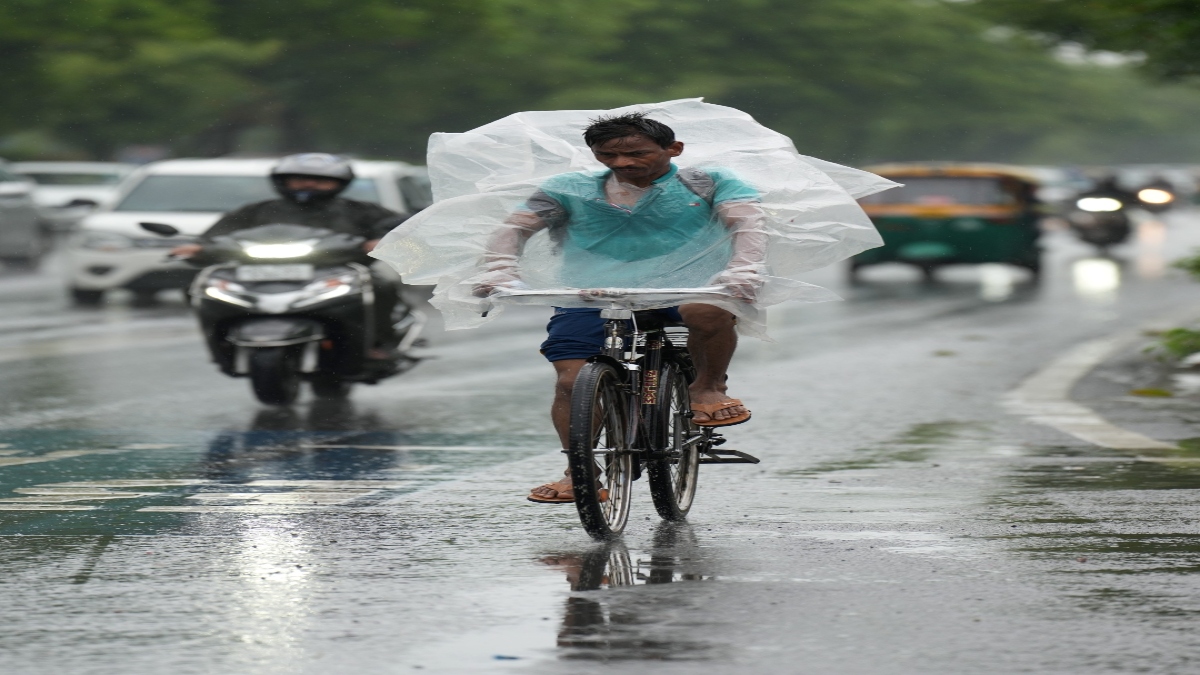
309	185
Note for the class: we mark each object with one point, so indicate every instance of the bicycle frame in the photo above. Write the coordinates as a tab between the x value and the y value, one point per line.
643	371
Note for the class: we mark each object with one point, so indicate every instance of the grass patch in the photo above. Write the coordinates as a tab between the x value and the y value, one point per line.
1151	392
1176	343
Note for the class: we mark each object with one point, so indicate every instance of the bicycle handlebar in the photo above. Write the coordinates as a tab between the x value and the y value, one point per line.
610	293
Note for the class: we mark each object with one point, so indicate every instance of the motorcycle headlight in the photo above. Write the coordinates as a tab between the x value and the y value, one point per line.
1155	196
227	291
105	241
288	250
327	288
1099	204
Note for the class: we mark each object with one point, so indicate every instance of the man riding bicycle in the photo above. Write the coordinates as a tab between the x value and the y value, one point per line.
612	225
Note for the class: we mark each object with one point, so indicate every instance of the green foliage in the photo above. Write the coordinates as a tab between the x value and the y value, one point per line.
1167	32
1190	264
1177	343
851	81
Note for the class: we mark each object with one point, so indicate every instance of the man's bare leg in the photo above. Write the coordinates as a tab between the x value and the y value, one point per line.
712	340
560	413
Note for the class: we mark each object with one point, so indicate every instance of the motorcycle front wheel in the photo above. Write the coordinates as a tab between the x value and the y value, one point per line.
274	375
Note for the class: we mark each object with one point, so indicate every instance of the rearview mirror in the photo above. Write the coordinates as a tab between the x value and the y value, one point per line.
160	229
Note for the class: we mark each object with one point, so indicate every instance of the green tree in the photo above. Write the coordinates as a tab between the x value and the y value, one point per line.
852	81
1166	32
103	73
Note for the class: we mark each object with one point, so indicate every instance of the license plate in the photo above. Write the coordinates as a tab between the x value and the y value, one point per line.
275	272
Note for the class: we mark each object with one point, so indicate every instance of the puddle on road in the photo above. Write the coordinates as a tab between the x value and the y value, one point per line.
1101	469
106	483
917	444
612	614
1113	532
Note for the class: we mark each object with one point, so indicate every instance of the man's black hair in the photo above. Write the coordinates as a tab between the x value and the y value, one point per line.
604	129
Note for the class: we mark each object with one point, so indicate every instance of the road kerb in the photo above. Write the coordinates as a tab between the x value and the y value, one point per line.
1044	398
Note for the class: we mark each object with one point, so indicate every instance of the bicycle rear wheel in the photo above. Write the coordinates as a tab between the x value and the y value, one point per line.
599	422
673	475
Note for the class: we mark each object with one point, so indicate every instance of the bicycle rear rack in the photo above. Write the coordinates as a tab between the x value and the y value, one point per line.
727	457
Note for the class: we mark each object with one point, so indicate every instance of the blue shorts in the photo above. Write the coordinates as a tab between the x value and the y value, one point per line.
578	332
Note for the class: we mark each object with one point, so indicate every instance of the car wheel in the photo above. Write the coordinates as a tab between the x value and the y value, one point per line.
145	298
86	297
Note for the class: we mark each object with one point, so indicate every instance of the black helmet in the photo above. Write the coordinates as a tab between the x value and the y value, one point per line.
311	165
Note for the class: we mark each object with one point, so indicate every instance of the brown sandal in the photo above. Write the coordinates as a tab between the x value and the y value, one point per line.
562	500
710	408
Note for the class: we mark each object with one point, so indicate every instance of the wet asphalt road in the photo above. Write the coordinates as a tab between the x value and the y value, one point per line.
155	519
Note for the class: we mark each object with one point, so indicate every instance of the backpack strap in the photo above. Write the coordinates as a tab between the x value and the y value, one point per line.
699	182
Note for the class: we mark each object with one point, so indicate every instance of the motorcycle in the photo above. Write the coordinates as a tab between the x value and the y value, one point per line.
1100	219
282	303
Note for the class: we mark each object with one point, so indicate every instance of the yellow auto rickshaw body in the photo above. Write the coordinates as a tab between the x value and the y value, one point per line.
949	213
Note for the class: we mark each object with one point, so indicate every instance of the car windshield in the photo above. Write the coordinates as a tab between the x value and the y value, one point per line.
943	190
74	178
216	194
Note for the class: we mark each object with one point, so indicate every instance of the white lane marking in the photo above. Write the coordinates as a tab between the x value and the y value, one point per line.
52	456
46	507
1044	397
90	345
52	495
129	482
9	459
449	448
300	497
258	509
259	496
331	484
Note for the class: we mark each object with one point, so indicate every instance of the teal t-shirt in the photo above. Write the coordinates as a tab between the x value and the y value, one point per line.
671	238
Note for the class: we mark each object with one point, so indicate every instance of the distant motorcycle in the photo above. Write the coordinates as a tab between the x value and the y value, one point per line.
285	303
1157	196
1101	217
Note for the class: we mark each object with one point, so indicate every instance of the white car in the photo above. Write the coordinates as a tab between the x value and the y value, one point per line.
110	250
68	191
21	240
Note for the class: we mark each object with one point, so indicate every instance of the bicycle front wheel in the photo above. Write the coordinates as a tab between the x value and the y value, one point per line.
599	455
673	474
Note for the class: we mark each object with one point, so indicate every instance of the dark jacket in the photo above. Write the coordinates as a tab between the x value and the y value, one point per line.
340	215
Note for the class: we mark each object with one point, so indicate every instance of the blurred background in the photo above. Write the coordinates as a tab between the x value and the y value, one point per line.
853	82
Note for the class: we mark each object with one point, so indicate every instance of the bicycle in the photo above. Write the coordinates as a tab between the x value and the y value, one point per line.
631	410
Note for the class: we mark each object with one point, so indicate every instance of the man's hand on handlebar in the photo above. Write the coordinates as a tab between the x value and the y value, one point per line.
497	276
741	284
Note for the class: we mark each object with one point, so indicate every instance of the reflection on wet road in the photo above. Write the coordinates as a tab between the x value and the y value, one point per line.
154	519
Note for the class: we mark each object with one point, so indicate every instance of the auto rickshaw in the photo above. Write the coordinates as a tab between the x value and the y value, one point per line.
947	214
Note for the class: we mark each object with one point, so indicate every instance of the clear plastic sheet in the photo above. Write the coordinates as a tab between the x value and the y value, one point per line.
521	204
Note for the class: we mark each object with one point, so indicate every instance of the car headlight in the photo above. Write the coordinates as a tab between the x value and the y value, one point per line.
1100	204
289	250
105	241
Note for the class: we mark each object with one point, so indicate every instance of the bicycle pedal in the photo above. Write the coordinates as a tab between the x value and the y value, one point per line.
727	457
